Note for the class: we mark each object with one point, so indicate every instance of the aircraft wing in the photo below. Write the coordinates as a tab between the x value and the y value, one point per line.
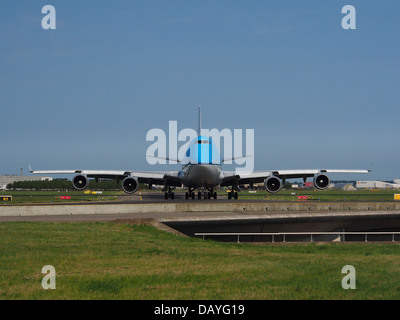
259	176
149	177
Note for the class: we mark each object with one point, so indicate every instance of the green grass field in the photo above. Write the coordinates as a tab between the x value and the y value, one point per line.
324	195
119	261
21	197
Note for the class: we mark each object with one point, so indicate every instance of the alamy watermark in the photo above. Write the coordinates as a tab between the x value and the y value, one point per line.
49	20
349	280
348	21
236	150
49	280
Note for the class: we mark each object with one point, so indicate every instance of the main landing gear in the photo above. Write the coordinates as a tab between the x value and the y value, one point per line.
205	194
233	194
201	194
169	194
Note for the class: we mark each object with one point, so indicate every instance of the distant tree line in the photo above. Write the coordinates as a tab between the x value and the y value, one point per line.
62	184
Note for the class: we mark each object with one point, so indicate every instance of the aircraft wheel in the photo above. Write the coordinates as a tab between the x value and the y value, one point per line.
230	195
172	195
187	195
166	195
199	195
215	195
236	195
192	195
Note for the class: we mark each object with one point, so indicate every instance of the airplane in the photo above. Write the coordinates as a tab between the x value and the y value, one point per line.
202	172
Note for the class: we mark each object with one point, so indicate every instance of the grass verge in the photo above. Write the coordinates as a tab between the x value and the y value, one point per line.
118	261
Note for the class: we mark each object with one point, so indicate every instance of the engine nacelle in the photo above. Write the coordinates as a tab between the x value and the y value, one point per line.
130	185
80	182
273	184
321	182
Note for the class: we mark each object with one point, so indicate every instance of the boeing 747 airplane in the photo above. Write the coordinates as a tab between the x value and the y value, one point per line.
202	172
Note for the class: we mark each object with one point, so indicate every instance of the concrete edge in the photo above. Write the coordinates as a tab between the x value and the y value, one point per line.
150	222
286	207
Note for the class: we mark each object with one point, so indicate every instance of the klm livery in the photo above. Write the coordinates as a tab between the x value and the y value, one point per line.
202	172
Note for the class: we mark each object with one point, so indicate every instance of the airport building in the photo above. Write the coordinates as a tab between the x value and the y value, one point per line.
7	179
376	185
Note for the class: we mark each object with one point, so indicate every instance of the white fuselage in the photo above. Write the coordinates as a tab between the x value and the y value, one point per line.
201	175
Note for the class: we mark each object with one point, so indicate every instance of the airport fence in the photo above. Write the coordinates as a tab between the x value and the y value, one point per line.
342	236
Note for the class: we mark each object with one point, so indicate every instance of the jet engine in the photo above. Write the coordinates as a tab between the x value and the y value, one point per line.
273	184
80	182
321	182
130	185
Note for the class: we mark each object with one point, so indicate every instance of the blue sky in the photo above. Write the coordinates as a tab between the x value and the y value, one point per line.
84	96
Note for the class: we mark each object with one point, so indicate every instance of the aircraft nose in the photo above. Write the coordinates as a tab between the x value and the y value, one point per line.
204	173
